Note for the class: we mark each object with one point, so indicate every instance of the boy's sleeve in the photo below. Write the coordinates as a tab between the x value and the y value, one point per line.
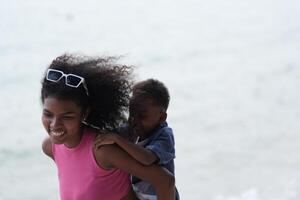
163	146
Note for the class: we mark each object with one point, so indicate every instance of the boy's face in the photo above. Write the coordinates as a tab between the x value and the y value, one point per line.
145	116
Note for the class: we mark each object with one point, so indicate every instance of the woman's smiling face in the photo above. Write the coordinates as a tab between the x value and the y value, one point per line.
62	120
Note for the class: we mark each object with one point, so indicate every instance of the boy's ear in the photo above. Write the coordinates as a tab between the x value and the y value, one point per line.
163	117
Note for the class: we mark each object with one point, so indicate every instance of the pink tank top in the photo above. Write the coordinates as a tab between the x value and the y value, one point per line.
80	177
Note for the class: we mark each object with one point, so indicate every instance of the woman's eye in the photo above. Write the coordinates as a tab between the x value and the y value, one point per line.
46	114
67	117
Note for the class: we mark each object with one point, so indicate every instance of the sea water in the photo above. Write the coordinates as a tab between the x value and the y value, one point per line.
232	68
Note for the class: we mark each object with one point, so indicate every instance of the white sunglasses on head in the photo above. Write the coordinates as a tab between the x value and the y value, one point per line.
71	80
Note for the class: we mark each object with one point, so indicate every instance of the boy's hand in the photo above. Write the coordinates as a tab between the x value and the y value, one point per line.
104	139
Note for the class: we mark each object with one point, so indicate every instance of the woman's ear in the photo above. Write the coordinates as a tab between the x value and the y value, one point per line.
163	117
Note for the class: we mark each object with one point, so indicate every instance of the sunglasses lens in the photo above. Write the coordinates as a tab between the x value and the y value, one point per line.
54	75
73	80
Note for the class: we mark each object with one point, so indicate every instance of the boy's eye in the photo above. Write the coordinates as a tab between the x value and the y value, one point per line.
142	116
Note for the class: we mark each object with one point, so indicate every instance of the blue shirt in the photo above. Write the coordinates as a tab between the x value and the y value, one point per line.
161	143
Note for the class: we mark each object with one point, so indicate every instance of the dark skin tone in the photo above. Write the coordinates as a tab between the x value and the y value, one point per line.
62	120
145	116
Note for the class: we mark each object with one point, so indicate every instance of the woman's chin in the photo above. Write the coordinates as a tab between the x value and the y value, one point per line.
57	140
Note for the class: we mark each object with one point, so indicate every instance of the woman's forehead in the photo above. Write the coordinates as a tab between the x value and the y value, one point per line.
52	103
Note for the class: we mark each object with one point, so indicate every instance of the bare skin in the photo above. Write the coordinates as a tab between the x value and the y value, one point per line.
141	154
145	116
62	120
162	180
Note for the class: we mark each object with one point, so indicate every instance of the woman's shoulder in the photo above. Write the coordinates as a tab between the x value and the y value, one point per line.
47	147
105	155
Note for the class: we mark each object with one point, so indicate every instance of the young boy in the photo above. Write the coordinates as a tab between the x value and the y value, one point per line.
155	140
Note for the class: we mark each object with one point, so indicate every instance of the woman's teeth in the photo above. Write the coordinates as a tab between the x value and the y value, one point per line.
57	133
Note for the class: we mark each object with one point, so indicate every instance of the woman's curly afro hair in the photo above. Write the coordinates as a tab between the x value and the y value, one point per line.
109	86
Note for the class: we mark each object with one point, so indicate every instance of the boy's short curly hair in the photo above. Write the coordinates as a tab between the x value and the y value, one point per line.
109	86
154	89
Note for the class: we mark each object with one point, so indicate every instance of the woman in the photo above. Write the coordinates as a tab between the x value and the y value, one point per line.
80	95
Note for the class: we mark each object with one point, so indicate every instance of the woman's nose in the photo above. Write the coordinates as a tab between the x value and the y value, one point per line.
55	122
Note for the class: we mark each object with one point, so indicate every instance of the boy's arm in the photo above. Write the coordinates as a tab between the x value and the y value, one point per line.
141	154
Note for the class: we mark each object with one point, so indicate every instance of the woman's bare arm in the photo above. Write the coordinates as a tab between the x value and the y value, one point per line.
47	147
112	156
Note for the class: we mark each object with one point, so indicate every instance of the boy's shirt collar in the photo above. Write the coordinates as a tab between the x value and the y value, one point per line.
154	133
